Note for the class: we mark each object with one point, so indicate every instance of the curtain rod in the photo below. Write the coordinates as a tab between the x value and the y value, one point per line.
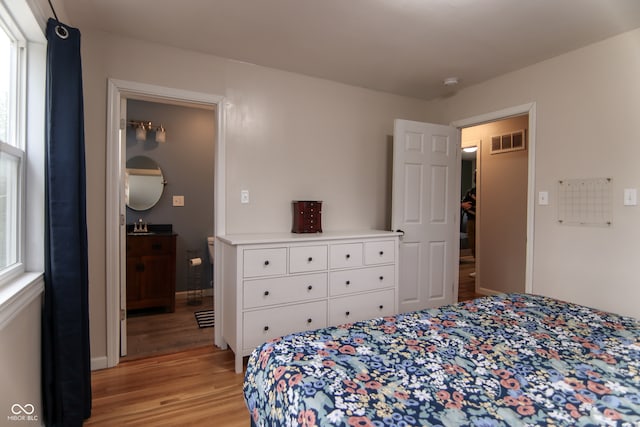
54	11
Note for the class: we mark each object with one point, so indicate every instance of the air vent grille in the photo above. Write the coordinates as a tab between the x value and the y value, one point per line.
507	142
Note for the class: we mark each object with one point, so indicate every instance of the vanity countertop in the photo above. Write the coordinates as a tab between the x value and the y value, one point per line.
151	229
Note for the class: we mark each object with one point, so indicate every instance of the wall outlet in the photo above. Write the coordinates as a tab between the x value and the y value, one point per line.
178	200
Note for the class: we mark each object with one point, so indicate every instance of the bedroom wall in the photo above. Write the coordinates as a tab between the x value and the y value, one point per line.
20	365
288	137
587	104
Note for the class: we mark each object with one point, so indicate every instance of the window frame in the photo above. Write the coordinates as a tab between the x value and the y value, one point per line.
23	282
15	146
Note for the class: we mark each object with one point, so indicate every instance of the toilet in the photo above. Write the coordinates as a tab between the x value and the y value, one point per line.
210	242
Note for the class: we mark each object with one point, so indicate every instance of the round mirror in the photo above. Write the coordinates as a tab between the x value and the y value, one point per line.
143	183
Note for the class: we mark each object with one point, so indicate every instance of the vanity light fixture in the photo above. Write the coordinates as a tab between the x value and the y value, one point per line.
161	134
144	126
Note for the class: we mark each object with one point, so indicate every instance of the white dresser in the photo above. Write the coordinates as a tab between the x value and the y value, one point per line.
276	284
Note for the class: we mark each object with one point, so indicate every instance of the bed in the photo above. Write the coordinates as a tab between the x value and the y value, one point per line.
503	360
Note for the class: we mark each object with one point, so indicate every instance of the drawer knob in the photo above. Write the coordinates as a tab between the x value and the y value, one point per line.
156	246
348	282
381	253
309	320
266	328
266	293
266	262
347	313
381	277
309	287
309	259
381	307
348	256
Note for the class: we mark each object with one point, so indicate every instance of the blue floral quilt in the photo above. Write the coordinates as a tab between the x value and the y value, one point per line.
504	360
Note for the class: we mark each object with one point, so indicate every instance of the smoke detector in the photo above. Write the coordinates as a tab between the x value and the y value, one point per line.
450	81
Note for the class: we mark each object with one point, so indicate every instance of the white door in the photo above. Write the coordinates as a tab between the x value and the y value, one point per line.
425	205
123	231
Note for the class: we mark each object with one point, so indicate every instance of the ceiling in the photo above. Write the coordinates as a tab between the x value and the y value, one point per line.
405	47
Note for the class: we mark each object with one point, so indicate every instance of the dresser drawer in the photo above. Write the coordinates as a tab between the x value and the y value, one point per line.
361	279
150	244
262	325
361	307
345	255
383	252
265	262
307	258
280	290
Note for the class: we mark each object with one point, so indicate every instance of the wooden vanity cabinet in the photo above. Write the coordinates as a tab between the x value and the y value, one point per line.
151	271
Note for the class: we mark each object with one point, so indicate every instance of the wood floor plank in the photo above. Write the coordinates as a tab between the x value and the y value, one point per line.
151	333
193	387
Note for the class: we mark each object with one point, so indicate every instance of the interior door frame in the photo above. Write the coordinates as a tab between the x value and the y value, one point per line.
518	110
115	224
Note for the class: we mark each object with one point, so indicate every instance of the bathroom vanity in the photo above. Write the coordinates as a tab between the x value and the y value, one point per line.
151	270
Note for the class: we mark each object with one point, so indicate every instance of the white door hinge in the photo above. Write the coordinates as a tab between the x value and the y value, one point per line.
123	314
122	219
123	124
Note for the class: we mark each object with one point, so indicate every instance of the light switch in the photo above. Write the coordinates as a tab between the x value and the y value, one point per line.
178	200
543	198
630	197
244	196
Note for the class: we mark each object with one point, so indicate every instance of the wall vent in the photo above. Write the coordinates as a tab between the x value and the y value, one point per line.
513	141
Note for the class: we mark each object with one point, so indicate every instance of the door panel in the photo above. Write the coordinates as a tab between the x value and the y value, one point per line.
425	207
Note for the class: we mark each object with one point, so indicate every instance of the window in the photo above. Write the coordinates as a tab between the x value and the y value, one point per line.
12	147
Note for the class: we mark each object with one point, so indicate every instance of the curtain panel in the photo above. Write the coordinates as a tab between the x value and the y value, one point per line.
66	371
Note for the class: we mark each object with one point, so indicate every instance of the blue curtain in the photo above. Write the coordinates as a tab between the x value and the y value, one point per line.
66	373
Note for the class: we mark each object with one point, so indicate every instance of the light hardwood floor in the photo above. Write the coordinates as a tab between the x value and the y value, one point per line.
466	284
151	333
195	387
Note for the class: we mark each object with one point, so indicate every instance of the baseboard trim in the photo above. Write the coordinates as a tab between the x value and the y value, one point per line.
98	363
485	291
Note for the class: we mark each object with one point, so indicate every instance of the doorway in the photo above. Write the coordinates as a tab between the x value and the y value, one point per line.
504	228
165	286
467	264
118	94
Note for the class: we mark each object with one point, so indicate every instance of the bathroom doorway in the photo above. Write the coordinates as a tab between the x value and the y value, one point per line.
168	269
119	94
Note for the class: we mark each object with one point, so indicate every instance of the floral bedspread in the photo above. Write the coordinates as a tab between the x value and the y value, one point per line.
505	360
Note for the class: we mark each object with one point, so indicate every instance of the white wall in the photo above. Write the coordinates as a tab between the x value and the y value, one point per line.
291	136
288	137
587	104
20	366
